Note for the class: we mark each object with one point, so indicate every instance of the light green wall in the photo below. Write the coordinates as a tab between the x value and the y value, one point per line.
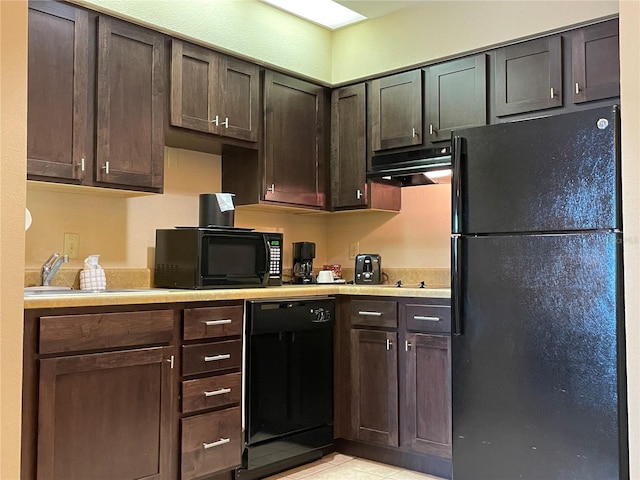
433	30
248	28
439	29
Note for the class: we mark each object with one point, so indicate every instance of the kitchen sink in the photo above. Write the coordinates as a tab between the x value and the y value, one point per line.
55	291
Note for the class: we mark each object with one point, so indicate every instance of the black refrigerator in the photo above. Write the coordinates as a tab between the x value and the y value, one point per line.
538	362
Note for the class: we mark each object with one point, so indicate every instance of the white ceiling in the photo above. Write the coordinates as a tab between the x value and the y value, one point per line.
378	8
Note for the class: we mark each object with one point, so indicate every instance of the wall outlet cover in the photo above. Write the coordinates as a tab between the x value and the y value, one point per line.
71	245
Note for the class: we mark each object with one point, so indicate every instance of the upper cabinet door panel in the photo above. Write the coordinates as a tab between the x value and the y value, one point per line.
57	91
240	96
213	93
130	129
529	76
457	96
193	86
294	113
397	111
596	62
349	146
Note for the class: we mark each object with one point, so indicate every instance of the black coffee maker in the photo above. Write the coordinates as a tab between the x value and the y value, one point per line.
303	255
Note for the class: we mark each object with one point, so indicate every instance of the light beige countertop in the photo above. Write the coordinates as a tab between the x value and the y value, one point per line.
160	295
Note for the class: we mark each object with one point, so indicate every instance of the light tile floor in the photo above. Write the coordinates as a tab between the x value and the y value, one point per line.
343	467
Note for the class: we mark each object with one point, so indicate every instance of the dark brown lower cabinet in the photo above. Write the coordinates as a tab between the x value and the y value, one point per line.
374	377
393	381
426	393
211	443
211	434
105	415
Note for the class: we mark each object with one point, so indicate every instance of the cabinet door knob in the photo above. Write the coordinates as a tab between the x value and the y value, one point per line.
552	93
389	344
271	189
81	164
413	132
226	122
370	314
358	194
105	167
426	318
431	129
407	345
577	88
215	121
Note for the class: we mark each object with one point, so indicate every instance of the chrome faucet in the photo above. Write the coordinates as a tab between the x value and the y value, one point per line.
51	266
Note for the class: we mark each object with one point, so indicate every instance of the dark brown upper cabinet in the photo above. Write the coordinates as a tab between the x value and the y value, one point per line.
529	76
129	117
295	143
349	146
213	93
122	98
349	186
57	112
595	62
396	116
457	96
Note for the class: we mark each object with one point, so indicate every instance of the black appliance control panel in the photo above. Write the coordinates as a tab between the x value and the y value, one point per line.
275	259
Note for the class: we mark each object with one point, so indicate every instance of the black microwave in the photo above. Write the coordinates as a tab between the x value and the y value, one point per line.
200	258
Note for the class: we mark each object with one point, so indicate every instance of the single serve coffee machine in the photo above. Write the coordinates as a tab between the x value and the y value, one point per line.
303	255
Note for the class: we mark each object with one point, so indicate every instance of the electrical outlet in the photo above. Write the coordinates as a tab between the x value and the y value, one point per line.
354	248
71	245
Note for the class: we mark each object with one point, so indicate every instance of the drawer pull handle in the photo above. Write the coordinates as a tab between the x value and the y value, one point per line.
220	391
213	358
429	319
370	314
222	441
210	323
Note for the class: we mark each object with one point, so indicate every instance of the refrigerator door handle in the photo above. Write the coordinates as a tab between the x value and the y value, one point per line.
456	284
458	151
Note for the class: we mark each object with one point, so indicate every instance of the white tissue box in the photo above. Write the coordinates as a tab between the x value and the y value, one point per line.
93	279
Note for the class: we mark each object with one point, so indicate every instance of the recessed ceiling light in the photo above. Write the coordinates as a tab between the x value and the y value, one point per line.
323	12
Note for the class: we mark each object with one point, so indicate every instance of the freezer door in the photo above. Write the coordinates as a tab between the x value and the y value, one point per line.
538	383
542	175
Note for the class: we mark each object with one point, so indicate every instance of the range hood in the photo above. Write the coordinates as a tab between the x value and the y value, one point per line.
425	166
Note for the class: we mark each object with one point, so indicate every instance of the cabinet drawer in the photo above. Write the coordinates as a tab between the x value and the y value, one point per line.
374	313
211	392
211	443
211	357
212	322
67	333
428	318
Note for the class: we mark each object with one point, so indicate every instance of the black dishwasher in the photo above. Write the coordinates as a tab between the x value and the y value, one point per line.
288	404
